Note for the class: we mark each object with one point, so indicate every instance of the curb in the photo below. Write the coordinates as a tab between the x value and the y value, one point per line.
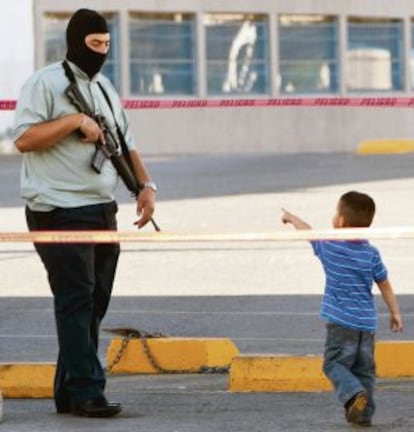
35	380
278	373
172	354
27	380
382	146
394	359
248	373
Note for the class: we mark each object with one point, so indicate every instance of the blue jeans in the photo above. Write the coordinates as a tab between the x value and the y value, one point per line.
349	364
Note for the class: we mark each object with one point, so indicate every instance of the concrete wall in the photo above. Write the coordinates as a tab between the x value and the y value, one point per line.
281	130
285	130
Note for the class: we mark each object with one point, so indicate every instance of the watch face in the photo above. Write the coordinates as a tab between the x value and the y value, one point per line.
151	185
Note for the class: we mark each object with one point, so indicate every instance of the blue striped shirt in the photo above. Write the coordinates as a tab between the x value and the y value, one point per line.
350	269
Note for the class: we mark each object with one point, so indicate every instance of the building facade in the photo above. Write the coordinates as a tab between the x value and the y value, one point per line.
238	49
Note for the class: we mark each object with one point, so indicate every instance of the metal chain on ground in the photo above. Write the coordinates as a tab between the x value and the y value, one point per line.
128	334
143	337
120	353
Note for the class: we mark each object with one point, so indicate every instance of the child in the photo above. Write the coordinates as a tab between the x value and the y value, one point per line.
348	306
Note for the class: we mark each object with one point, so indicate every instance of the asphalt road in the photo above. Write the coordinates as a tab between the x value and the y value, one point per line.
207	176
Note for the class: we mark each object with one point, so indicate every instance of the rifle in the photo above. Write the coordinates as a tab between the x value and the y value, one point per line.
110	148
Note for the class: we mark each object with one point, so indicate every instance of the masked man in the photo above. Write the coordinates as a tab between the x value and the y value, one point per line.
63	192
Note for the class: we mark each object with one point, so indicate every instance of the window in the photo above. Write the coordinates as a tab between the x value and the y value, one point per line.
374	55
237	54
308	54
55	36
411	60
162	54
55	43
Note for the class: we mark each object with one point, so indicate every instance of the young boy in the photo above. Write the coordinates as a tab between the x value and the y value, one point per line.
348	306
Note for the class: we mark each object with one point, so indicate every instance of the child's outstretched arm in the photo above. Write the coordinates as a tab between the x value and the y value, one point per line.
396	323
296	221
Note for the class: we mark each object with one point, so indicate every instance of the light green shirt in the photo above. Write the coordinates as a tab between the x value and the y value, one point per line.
61	176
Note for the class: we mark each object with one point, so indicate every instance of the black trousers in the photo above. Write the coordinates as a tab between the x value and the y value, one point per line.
81	276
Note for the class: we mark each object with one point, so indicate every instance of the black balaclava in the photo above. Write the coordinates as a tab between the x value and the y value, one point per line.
82	23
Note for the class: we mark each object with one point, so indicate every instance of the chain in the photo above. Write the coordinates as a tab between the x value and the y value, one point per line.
143	337
120	353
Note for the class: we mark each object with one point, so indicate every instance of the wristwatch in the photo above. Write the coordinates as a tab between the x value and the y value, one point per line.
150	184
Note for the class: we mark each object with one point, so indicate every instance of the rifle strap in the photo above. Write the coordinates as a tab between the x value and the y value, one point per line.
124	147
69	72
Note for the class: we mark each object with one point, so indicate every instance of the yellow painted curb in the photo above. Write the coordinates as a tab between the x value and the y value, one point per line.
254	373
378	146
27	380
277	373
175	354
394	359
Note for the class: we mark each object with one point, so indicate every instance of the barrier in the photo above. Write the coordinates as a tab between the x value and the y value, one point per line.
394	359
248	372
27	380
285	373
133	104
277	373
378	146
178	355
188	355
97	236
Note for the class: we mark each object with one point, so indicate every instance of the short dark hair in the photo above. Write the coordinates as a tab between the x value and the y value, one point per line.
357	209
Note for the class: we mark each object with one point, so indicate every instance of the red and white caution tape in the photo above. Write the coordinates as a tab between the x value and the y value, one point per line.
7	105
133	104
165	237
